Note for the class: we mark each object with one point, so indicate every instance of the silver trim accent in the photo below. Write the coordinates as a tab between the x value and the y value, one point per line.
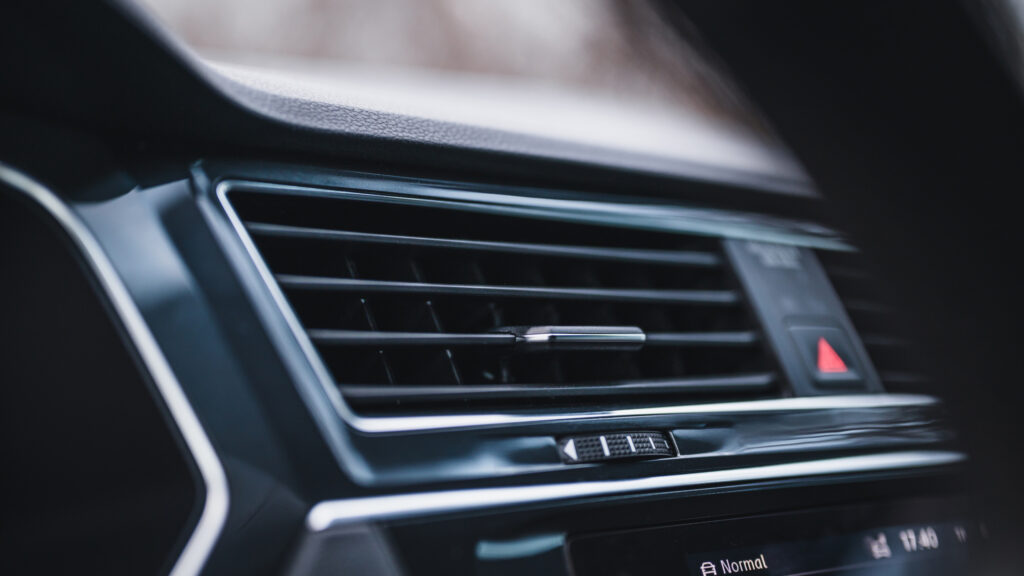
399	424
335	513
390	424
323	376
215	507
572	337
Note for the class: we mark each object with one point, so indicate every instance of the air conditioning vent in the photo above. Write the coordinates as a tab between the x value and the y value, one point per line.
416	305
877	322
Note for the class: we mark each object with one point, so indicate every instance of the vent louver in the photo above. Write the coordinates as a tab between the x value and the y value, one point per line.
416	305
877	323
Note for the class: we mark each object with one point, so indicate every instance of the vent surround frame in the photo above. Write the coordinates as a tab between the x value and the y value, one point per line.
407	449
713	223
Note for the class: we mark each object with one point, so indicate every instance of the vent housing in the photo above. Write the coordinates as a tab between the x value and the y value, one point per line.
413	306
878	323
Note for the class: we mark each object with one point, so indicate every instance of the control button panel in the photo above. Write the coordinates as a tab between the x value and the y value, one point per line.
803	319
614	446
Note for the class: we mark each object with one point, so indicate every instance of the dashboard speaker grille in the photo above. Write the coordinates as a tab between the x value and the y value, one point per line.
414	305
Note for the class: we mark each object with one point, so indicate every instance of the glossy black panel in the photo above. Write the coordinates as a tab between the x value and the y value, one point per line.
530	540
96	479
916	538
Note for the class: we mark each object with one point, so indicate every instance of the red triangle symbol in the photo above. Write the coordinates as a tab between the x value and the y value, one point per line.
828	361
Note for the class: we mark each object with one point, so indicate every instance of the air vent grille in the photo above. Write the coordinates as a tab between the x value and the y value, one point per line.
877	322
414	305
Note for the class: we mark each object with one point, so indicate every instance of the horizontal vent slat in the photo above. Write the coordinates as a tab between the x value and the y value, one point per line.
667	257
350	285
377	339
743	338
747	383
385	339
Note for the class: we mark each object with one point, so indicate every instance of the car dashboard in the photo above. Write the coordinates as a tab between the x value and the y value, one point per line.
296	352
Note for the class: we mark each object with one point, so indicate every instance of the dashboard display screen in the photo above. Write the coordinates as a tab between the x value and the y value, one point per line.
887	541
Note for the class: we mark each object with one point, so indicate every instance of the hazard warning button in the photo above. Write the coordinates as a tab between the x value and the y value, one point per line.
827	354
829	361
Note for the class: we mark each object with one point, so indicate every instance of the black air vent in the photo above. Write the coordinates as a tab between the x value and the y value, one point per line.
416	304
877	322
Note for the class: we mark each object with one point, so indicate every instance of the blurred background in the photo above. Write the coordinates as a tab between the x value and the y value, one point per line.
623	50
613	74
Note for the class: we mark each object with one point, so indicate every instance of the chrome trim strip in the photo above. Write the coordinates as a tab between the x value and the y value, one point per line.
399	424
334	513
215	507
323	376
391	424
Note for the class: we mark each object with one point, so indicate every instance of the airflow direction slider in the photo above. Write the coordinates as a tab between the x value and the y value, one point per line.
614	446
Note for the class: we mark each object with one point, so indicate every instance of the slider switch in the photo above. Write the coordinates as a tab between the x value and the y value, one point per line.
614	446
